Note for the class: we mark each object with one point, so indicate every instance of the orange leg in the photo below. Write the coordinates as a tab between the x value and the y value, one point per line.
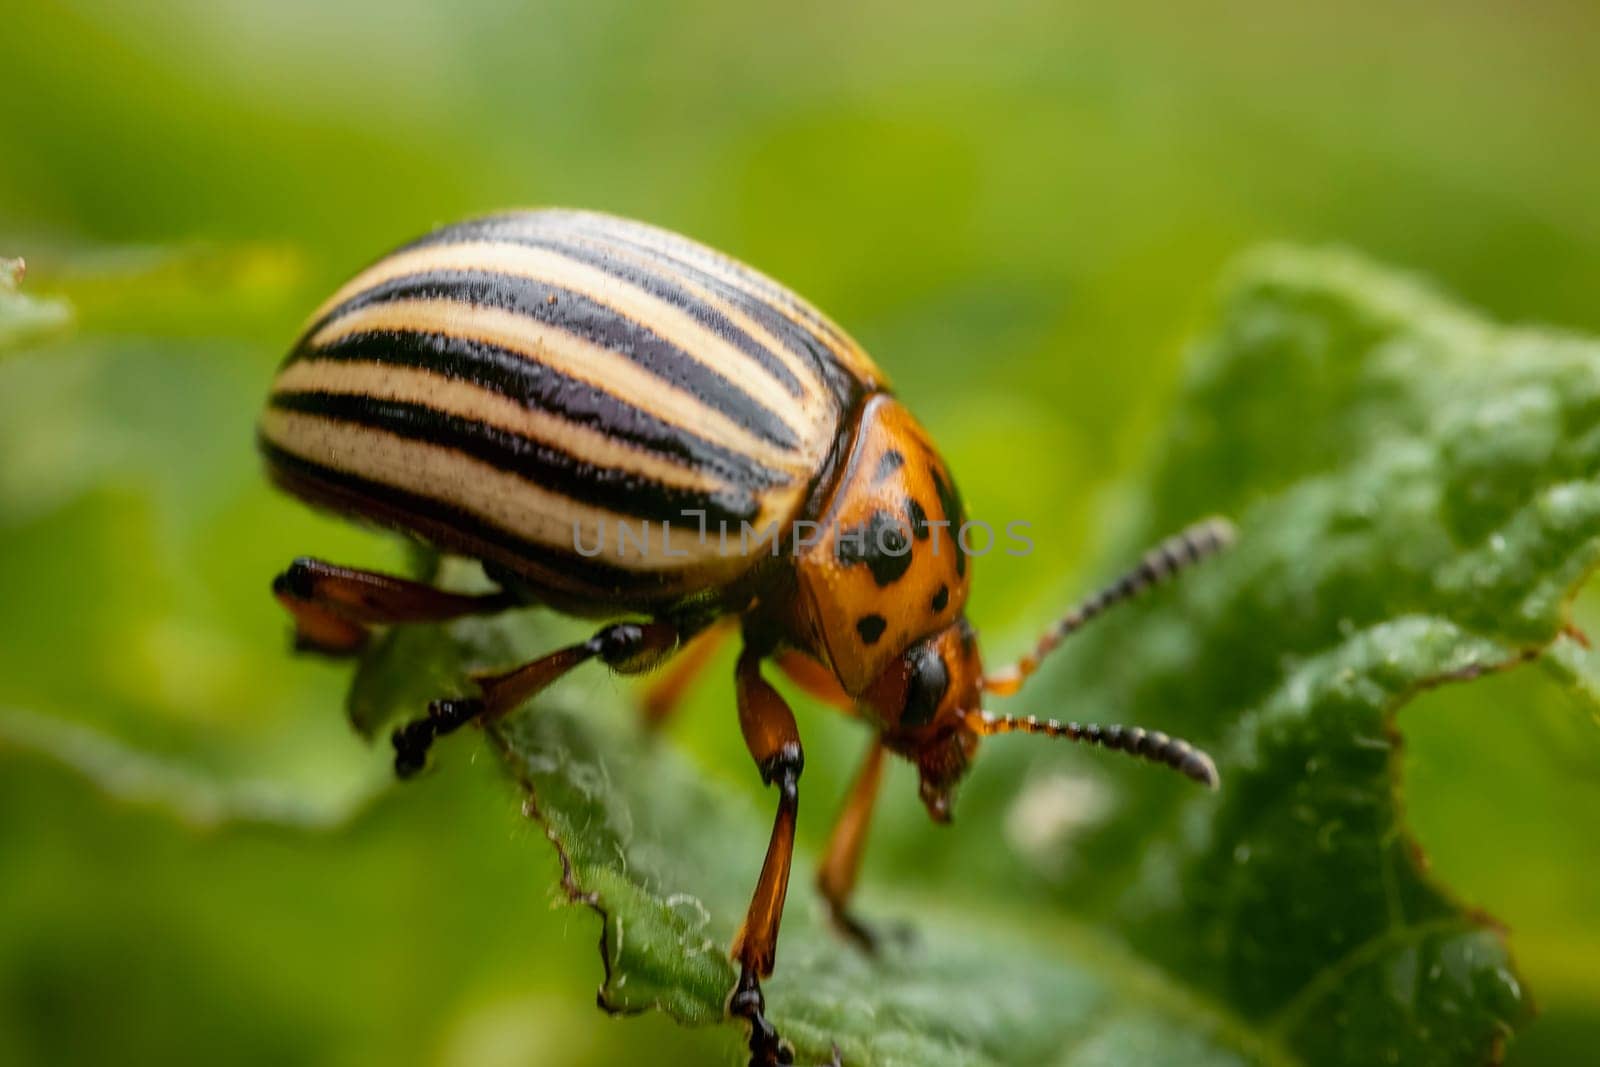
773	739
625	647
841	863
334	606
815	679
664	695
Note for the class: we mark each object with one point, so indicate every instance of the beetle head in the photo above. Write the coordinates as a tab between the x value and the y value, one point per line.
924	700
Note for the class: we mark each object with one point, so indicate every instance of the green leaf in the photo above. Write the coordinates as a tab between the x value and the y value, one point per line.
1417	502
141	646
668	859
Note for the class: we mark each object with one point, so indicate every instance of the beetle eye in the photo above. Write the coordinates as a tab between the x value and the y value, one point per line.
925	684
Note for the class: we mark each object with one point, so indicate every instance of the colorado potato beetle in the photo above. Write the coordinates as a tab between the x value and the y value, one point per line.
541	391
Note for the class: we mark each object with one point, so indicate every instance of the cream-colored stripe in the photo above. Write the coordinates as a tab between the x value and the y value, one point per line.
502	500
672	324
801	368
415	386
569	354
746	278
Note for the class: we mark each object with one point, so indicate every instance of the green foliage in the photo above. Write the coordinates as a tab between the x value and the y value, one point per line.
25	319
1424	521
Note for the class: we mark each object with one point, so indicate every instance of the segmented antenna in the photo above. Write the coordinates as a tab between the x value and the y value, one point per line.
1177	553
1152	745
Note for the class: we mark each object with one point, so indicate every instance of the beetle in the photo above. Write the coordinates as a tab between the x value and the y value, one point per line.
516	388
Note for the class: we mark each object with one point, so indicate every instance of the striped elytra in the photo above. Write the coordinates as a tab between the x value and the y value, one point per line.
519	387
516	388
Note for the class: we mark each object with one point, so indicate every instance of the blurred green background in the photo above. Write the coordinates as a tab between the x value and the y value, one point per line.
1019	207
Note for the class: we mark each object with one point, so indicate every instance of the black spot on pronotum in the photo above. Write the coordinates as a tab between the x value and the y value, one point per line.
887	465
883	543
941	599
871	627
918	518
950	504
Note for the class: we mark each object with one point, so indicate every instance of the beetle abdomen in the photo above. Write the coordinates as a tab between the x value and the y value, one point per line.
523	387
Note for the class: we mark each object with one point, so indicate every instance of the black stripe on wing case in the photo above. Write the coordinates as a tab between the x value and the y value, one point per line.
541	387
352	493
759	297
683	250
625	492
801	338
668	287
574	313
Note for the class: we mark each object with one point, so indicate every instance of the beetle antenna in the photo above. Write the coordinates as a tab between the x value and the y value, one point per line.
1152	745
1177	553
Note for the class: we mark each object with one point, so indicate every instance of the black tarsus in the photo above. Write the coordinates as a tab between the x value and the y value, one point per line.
748	1003
623	646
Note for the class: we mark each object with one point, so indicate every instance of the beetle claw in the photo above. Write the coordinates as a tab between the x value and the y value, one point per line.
411	743
413	740
767	1049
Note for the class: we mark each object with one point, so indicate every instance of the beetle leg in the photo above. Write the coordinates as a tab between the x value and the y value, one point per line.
841	863
773	739
333	606
625	647
664	695
817	681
